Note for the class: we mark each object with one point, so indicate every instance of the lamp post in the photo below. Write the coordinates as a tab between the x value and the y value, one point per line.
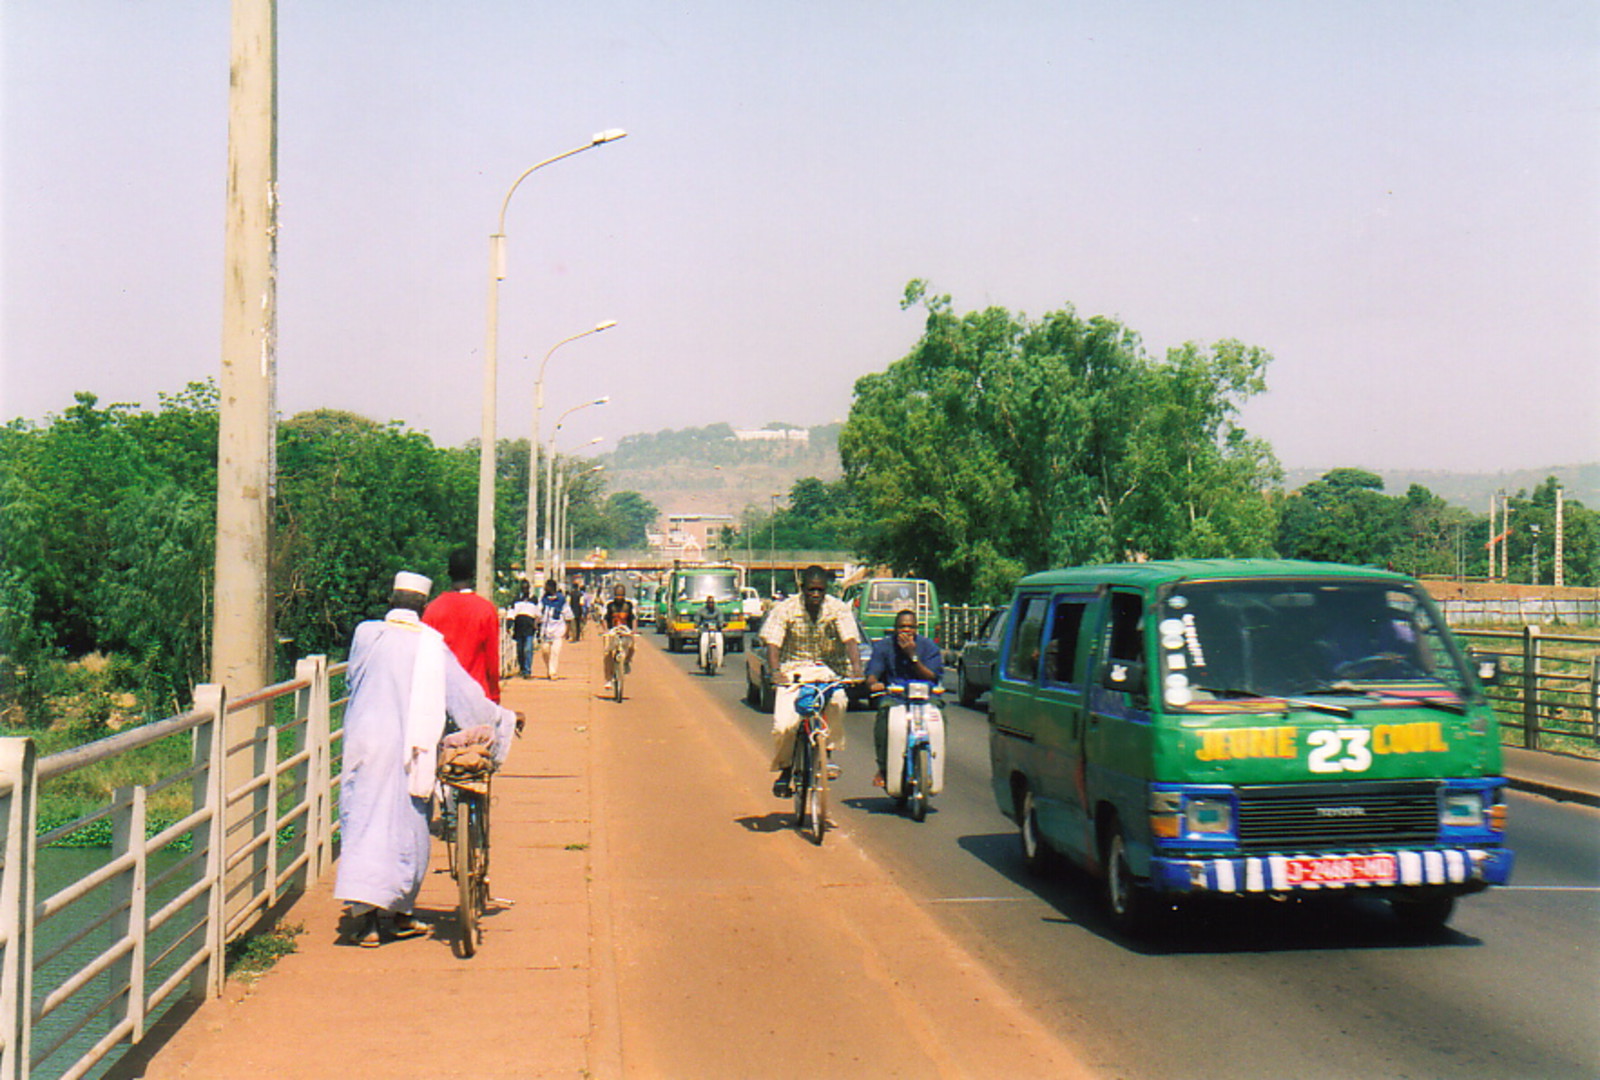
550	536
486	448
530	557
772	542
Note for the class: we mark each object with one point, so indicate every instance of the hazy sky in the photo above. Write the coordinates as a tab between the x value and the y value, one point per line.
1399	200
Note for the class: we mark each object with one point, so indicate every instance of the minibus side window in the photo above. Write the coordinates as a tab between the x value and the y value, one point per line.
1127	631
1022	662
1061	657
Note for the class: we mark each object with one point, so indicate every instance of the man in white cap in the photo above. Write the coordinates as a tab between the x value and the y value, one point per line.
403	682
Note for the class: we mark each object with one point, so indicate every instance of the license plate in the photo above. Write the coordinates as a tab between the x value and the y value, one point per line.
1346	870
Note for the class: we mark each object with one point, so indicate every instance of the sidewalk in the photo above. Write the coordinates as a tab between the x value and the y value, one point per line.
1558	776
667	924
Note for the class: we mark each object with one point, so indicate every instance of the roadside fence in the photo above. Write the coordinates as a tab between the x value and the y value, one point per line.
205	840
1549	688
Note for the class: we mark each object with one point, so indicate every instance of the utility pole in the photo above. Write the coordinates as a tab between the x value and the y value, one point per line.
242	643
242	636
1561	538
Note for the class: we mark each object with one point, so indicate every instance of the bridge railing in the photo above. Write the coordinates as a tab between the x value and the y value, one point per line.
1549	688
93	947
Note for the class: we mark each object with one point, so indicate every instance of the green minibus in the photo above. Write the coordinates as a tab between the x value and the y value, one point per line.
1247	727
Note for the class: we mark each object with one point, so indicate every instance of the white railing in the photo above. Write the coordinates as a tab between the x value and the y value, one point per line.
87	967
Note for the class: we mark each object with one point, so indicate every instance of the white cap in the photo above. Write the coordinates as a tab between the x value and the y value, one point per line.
406	581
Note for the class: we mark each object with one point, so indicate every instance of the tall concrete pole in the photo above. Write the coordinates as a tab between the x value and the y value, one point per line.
243	641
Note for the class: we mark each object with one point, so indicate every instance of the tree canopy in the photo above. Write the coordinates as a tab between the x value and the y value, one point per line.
1001	445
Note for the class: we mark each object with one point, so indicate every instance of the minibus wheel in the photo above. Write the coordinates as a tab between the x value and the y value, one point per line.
1425	914
1036	853
1127	901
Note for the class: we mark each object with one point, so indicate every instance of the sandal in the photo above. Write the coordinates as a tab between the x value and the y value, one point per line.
401	927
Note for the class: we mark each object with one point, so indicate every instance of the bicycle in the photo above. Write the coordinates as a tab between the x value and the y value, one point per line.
810	769
465	772
915	762
618	650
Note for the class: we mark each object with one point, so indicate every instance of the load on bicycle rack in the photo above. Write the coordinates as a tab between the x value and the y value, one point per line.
914	767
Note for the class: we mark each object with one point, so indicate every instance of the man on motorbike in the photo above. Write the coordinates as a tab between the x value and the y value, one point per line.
619	619
801	632
708	622
899	657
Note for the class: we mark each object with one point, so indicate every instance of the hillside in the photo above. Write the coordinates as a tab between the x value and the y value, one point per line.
711	470
1472	490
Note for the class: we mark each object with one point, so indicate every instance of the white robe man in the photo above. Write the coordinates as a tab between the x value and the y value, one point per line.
403	682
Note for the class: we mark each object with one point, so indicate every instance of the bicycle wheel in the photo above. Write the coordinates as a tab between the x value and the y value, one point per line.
466	877
921	769
800	779
618	669
819	786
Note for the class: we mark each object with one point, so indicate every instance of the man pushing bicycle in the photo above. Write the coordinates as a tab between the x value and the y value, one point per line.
802	632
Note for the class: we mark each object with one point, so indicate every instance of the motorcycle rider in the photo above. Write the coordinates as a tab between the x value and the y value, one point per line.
708	621
899	657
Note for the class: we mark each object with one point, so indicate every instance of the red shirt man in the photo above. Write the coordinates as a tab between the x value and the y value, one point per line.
470	624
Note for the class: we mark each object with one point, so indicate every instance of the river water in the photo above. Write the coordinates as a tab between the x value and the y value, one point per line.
57	867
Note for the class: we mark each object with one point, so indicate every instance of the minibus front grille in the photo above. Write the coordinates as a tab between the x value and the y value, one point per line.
1294	817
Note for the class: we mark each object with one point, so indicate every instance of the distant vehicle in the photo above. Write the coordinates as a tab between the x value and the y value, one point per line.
977	658
876	601
644	604
687	588
750	602
758	687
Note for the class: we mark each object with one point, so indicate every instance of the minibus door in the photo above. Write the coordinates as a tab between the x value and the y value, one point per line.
1062	707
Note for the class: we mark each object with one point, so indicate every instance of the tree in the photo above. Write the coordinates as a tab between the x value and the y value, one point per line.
629	516
1001	445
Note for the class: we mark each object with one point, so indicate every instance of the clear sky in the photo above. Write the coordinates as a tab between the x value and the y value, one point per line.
1399	200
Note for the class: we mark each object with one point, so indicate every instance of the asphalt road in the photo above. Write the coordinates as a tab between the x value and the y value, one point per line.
1319	992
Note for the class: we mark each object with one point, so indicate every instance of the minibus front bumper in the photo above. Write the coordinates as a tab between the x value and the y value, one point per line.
1456	870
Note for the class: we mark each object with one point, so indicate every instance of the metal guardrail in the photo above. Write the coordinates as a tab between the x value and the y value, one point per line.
125	937
1549	688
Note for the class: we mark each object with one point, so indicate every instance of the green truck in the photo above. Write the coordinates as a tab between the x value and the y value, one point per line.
686	590
1247	728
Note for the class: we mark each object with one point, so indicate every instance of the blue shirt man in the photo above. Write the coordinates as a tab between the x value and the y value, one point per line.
899	657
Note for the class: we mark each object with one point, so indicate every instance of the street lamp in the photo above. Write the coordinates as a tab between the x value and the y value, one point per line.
486	448
550	536
530	556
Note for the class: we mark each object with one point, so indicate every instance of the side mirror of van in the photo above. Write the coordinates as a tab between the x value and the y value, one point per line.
1126	676
1487	665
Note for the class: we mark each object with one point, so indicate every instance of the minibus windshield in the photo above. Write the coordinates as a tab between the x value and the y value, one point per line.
1282	637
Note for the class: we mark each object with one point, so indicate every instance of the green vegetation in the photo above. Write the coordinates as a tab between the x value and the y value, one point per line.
1001	445
253	956
108	517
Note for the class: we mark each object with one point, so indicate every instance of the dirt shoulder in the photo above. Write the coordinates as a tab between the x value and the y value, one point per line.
667	923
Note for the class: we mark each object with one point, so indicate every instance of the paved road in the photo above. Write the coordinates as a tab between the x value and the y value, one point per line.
1510	990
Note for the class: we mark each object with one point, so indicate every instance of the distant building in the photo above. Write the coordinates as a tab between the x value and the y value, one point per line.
799	435
691	536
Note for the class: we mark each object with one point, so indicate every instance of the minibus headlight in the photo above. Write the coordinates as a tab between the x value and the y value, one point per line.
1462	810
1209	816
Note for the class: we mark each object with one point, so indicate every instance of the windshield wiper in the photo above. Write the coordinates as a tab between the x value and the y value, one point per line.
1298	703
